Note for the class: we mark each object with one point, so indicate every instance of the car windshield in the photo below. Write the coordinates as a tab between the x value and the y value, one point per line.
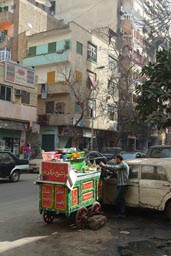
160	152
128	155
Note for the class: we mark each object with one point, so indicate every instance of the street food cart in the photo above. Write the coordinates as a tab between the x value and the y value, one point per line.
67	187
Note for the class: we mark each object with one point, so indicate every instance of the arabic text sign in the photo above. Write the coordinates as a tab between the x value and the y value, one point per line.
19	74
55	171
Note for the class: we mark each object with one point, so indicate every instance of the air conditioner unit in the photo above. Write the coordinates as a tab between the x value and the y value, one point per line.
17	92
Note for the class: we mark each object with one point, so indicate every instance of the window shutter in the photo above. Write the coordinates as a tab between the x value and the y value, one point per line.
52	47
32	51
51	77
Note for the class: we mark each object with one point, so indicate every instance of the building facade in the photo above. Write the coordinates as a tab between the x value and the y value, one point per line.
72	66
18	100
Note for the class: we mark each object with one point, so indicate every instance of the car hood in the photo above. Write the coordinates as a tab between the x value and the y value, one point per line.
35	161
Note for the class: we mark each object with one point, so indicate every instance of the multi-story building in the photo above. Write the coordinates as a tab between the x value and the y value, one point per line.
18	100
103	14
17	19
73	66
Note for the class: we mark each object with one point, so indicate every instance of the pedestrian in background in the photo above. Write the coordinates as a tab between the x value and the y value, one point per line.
122	170
27	152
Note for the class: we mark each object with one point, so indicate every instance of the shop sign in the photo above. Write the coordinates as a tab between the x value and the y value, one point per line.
55	171
19	74
87	133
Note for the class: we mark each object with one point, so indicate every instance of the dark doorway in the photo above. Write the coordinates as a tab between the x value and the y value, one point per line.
48	142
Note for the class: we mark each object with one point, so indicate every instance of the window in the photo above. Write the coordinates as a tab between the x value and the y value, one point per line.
5	158
8	94
5	54
91	108
25	97
92	52
112	63
79	48
51	77
133	171
52	47
153	173
60	108
32	51
111	87
77	108
91	81
78	76
111	112
5	93
49	107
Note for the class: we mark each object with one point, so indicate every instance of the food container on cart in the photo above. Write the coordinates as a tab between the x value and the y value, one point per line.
47	156
78	164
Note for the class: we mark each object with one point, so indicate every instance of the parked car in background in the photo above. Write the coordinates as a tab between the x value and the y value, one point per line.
111	152
35	164
95	156
149	185
132	155
11	166
159	151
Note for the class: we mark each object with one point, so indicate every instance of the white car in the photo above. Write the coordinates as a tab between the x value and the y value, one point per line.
149	185
35	164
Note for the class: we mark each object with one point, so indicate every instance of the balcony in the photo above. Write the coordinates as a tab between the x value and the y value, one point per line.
6	42
55	88
53	119
17	111
42	120
46	59
58	119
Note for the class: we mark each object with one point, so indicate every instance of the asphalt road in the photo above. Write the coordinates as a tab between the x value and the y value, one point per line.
23	232
19	197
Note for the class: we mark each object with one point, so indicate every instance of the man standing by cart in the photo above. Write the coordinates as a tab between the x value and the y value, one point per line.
122	170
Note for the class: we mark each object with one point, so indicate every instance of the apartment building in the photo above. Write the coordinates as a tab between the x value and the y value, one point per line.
18	101
102	13
56	55
19	18
18	98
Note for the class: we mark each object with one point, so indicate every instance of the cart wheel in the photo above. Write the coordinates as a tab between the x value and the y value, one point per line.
96	208
81	217
48	217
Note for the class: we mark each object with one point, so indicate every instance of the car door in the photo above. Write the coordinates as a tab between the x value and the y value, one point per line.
132	196
154	186
7	163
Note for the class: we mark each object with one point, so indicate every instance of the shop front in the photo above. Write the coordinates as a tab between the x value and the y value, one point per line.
12	135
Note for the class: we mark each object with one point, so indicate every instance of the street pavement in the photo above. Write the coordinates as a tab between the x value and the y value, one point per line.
23	232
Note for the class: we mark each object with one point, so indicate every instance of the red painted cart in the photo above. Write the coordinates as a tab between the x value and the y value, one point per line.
63	190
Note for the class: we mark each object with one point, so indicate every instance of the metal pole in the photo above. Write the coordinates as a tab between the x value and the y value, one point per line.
92	120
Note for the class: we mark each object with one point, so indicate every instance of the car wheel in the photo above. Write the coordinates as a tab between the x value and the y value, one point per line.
168	210
15	176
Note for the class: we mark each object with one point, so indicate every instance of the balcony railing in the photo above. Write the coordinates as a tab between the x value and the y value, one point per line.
45	59
42	120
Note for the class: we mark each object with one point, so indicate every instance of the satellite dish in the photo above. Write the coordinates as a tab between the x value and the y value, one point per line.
44	2
40	1
29	25
47	4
